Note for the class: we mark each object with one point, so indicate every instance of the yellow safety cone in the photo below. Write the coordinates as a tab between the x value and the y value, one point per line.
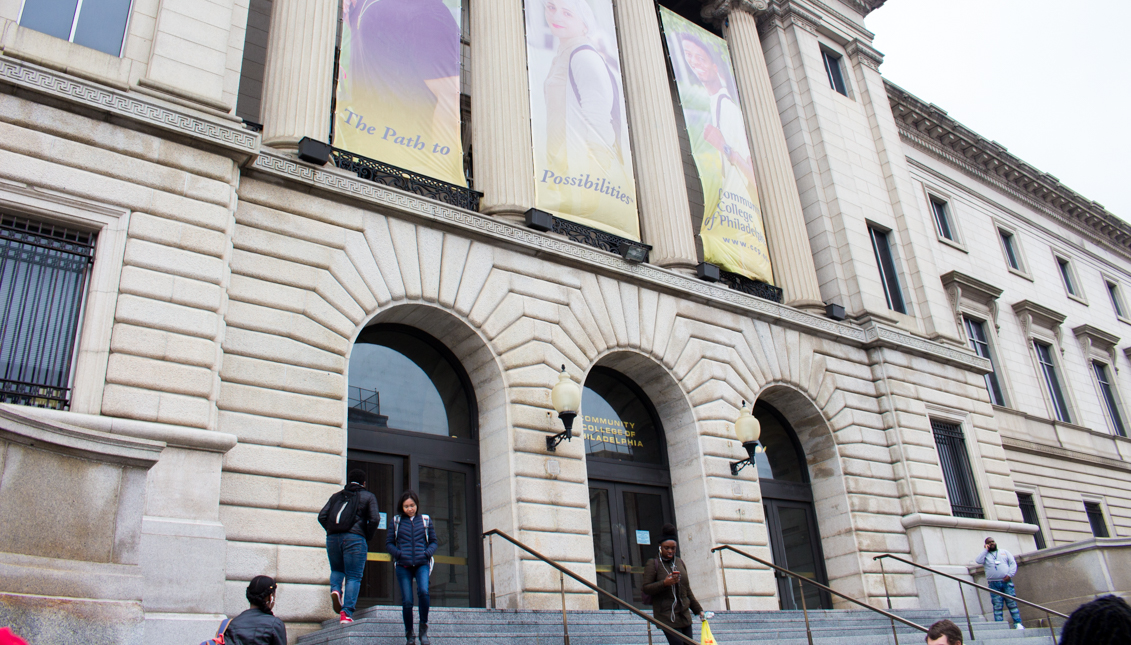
707	638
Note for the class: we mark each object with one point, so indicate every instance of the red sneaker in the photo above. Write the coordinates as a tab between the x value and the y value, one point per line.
345	619
336	599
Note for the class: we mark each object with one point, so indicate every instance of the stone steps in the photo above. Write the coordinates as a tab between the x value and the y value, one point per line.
383	626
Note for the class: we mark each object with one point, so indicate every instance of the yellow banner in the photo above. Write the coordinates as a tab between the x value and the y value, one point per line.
732	232
399	85
582	158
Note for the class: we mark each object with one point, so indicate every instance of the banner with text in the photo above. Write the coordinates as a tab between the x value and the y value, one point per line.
732	232
398	85
582	158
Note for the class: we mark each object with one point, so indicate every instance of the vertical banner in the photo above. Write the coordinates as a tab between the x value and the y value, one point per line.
582	158
398	85
732	232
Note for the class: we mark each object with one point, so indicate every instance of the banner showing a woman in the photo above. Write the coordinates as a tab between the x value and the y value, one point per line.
398	85
582	158
732	233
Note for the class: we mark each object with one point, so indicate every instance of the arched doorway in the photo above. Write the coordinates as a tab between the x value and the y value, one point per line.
412	423
629	483
791	520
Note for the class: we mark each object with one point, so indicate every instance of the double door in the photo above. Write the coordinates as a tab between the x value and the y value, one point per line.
449	495
796	545
627	520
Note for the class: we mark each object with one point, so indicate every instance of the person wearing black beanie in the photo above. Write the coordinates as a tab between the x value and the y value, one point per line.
665	580
257	625
1104	621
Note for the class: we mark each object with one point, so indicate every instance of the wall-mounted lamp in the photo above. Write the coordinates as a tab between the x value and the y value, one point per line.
566	397
633	252
748	430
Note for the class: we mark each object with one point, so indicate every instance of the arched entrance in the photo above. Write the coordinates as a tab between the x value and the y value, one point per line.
629	483
791	520
413	423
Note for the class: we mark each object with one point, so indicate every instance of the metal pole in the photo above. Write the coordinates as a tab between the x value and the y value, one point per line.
565	624
969	625
886	592
491	548
726	594
1051	630
805	610
649	633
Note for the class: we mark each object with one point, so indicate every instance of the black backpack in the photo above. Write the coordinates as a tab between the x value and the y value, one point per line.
343	512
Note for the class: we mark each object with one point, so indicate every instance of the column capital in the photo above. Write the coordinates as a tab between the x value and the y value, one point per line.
717	10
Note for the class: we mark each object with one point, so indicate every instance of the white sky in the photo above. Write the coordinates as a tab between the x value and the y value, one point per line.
1048	79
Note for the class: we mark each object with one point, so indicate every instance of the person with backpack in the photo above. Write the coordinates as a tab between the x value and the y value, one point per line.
351	519
257	625
665	580
412	543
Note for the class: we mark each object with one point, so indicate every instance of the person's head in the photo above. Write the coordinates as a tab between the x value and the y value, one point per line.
991	545
356	476
261	592
669	542
409	503
1104	621
699	58
570	19
944	632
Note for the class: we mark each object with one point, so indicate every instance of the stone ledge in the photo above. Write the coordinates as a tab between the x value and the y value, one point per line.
1075	547
23	428
342	184
177	436
1056	452
950	522
39	576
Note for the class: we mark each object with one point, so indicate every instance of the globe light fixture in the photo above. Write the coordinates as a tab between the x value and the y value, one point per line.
566	397
748	429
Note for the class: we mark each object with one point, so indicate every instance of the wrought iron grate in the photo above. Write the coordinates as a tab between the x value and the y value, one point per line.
590	236
406	180
957	472
750	287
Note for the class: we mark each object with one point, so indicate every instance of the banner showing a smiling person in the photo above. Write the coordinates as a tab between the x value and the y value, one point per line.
732	232
582	158
398	85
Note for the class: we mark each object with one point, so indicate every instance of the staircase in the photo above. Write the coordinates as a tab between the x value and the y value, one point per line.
458	626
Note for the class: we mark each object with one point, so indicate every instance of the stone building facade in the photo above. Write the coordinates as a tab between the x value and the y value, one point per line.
206	413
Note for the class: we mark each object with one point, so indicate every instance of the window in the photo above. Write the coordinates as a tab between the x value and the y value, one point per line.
1012	253
98	24
43	274
959	476
1069	276
942	219
835	71
1108	393
1029	516
886	264
976	330
1052	382
1096	519
1116	296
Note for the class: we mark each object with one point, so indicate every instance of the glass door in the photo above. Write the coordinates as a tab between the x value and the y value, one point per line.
627	520
795	544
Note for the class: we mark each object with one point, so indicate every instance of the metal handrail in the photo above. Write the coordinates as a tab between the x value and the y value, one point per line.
800	578
969	623
563	571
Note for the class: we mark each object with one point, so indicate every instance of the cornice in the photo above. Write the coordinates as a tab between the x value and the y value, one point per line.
868	55
930	129
1057	452
345	185
1031	313
137	108
960	286
1094	339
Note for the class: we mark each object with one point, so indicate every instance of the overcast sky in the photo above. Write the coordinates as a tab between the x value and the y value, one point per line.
1048	79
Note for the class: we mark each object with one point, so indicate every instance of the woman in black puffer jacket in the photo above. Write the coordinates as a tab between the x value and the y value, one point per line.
411	541
258	626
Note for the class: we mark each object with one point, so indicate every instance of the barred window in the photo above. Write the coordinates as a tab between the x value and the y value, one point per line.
43	275
1029	516
957	472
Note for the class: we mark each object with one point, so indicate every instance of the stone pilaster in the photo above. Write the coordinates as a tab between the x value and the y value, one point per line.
665	219
299	74
782	216
500	108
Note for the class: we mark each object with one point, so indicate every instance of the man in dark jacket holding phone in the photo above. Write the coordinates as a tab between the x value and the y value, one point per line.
351	519
665	580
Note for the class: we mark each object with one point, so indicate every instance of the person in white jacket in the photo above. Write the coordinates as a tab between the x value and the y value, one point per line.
1000	569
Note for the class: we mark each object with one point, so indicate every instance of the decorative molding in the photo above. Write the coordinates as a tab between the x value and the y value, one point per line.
1097	339
930	129
1056	452
1032	313
960	286
916	520
716	11
28	76
340	183
868	56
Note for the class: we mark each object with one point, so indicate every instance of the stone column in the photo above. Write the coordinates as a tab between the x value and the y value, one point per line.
665	217
299	73
501	144
786	234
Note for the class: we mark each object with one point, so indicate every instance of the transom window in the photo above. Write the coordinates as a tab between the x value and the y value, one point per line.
618	421
980	343
98	24
778	458
957	472
1052	381
1111	405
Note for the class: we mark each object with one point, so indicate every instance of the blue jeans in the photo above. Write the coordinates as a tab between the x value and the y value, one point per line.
405	576
1004	587
347	553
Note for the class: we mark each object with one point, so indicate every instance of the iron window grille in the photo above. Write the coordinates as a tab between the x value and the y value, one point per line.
957	472
1052	382
1109	398
1029	516
43	275
976	330
886	263
1096	519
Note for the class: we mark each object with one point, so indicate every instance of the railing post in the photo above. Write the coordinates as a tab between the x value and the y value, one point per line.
565	623
1051	630
649	633
805	611
885	575
969	625
726	594
491	549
